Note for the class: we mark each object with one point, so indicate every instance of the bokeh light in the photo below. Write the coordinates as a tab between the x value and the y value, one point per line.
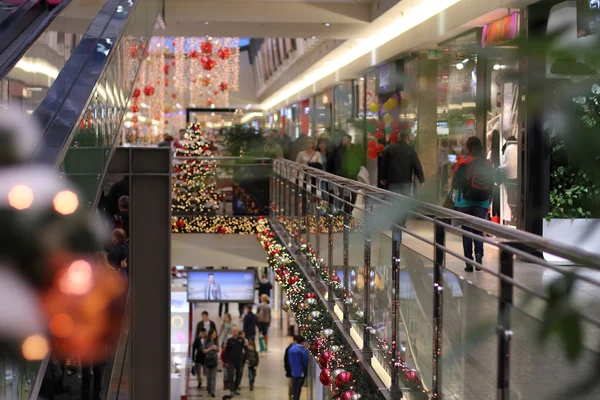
35	347
20	197
78	278
66	202
61	325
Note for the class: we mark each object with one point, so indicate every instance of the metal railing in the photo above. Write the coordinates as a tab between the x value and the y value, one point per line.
395	277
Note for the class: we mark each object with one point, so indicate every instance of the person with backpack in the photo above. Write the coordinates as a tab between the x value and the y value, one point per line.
263	316
250	322
211	361
472	189
252	361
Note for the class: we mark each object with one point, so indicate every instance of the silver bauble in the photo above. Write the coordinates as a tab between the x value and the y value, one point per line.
349	300
356	396
315	315
334	348
310	301
303	306
360	313
286	306
336	372
325	333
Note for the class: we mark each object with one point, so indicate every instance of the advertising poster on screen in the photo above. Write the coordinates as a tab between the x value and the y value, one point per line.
221	286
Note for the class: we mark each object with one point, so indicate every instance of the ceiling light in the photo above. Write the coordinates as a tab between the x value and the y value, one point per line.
460	66
466	60
411	17
248	106
212	105
327	24
314	37
362	78
206	22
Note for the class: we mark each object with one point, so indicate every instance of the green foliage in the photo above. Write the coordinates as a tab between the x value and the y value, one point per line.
244	140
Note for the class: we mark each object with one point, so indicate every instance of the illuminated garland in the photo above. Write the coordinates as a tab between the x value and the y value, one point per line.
314	320
291	224
214	224
195	181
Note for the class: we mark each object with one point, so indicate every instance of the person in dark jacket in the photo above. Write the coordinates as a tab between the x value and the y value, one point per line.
250	323
400	166
264	286
198	354
234	357
118	189
119	253
252	360
298	358
206	323
121	219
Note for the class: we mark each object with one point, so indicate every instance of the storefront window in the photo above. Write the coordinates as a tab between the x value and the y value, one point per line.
323	108
343	105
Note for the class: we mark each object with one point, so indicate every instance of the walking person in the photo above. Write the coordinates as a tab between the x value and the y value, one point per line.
263	317
473	186
198	354
206	323
119	253
226	326
264	286
298	358
288	370
234	356
252	360
400	166
250	323
211	361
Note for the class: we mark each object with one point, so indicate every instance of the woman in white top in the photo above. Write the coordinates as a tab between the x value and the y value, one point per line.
309	155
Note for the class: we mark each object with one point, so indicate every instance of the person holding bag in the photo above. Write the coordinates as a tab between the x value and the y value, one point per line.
263	315
211	361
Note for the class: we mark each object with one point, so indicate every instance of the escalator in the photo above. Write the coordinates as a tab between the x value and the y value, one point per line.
71	65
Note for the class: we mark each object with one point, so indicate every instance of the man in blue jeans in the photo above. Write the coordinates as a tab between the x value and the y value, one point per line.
473	182
298	359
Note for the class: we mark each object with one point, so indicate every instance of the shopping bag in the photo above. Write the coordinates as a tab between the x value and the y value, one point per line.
262	343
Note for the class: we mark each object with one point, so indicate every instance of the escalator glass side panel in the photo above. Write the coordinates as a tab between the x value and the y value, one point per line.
26	85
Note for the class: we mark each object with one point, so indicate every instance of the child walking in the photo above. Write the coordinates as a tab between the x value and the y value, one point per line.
252	361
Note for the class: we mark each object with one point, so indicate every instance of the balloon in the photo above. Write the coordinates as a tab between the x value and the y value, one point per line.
395	125
390	104
380	147
379	135
371	125
394	137
381	125
325	376
374	107
387	118
372	154
371	144
388	130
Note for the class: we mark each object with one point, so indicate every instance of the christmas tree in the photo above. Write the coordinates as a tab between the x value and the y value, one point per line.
195	175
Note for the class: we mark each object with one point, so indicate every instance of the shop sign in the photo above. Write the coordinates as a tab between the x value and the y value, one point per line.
500	31
433	54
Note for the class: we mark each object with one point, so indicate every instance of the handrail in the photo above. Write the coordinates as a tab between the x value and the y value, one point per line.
572	253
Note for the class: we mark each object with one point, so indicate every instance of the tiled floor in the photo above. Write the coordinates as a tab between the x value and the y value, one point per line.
270	383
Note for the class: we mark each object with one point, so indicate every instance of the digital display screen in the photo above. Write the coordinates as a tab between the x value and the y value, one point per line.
221	285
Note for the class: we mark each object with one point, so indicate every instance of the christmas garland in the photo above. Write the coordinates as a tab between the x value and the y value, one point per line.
292	226
315	322
340	368
214	224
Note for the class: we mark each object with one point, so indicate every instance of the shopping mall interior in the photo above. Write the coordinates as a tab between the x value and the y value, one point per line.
299	199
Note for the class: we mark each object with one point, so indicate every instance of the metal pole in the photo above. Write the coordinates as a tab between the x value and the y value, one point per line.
347	294
367	353
396	370
308	198
438	287
505	303
330	255
318	208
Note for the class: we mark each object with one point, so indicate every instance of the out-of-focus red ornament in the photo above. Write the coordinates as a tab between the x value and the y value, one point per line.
347	395
325	376
136	93
149	90
309	295
166	82
317	344
342	378
135	108
193	54
206	81
134	118
157	116
207	63
206	47
173	63
223	86
166	68
166	122
221	230
134	51
209	101
174	95
411	375
224	53
216	92
194	80
292	279
180	223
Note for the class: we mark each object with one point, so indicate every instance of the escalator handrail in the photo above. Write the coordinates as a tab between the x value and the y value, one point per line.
17	14
22	48
68	90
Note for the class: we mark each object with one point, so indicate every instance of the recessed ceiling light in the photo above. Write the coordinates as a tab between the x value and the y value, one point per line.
314	37
327	24
206	22
362	79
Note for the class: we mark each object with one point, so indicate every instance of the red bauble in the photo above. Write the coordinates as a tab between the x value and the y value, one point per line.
310	295
136	93
326	355
206	81
411	375
193	54
135	108
209	101
193	80
285	272
325	376
166	69
180	223
207	63
343	378
271	234
206	47
134	51
174	95
317	344
149	90
335	278
223	86
224	53
216	92
221	230
292	279
177	169
347	395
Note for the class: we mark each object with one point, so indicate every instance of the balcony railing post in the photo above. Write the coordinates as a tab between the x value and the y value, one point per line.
367	353
330	217
396	369
309	198
505	303
347	295
438	301
319	204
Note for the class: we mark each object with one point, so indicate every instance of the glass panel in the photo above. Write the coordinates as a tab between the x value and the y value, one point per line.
356	262
416	315
323	103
